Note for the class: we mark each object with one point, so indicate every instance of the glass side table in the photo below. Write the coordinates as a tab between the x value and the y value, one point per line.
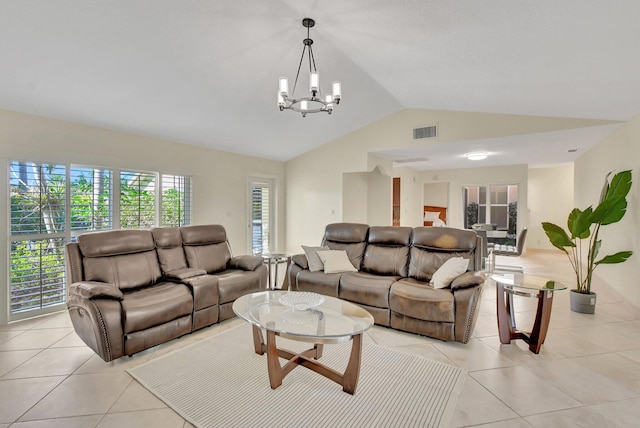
510	284
273	259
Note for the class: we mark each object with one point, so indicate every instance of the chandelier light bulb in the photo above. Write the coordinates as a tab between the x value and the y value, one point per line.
284	87
314	82
337	91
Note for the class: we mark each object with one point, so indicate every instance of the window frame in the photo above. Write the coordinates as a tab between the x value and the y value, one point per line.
67	233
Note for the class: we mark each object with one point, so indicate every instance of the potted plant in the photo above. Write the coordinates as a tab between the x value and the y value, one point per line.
584	229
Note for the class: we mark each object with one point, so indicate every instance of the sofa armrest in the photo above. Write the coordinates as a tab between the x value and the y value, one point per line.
180	274
246	262
300	260
95	290
466	280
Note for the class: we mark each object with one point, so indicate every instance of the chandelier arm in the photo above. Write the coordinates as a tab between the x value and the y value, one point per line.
312	58
298	73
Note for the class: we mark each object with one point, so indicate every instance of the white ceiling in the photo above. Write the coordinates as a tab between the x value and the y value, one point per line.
205	72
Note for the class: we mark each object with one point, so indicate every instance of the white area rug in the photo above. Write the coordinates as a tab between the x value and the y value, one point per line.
222	382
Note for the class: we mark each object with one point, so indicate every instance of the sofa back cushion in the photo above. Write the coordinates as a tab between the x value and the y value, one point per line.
432	246
387	251
206	247
169	247
350	237
125	258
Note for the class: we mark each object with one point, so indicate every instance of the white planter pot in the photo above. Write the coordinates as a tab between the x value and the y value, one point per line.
583	303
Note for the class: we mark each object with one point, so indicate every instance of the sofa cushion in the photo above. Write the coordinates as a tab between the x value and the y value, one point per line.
212	257
421	301
381	260
350	237
234	283
115	242
169	247
203	234
318	282
313	261
152	306
336	261
450	270
124	271
387	251
365	288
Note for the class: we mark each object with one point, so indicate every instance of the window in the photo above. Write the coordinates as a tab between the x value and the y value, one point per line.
176	200
261	218
91	205
37	228
137	200
52	204
498	207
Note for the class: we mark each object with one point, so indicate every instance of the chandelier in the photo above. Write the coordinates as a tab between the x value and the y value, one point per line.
315	102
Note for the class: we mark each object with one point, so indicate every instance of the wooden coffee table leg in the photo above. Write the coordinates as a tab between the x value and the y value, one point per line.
504	315
352	372
258	341
541	324
273	364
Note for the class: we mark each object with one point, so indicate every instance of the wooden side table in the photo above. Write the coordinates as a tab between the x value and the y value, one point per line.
508	285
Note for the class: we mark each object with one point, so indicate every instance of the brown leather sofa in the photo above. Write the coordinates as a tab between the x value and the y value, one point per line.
129	290
395	265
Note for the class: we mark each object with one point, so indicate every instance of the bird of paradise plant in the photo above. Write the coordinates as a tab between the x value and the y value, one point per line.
584	226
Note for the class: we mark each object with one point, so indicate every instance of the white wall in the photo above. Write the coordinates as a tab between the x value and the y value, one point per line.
550	199
314	179
355	197
619	152
219	178
436	194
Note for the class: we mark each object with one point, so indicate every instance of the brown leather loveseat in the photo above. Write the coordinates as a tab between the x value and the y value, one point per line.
394	268
129	290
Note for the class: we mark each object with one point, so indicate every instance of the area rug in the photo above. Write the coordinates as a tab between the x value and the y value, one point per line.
222	382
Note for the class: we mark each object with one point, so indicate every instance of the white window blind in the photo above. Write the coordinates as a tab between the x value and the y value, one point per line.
52	204
176	200
91	204
37	228
260	217
137	199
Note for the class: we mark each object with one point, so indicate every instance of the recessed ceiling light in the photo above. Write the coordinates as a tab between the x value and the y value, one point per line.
476	155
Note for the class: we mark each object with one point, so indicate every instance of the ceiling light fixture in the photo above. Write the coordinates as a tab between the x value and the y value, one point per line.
476	155
315	103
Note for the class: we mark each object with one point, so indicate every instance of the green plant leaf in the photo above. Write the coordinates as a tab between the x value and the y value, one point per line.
596	249
579	223
615	258
557	236
620	185
611	210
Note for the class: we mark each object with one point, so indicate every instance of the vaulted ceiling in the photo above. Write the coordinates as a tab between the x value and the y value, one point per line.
205	72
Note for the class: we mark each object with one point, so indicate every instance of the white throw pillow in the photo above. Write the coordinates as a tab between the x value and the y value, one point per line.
336	261
315	264
449	271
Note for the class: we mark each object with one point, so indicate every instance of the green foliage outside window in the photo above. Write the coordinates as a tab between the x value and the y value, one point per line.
38	214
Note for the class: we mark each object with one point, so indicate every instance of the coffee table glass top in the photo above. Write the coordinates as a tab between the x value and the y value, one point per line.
310	316
527	281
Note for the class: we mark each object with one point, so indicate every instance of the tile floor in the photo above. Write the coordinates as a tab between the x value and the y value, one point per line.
587	374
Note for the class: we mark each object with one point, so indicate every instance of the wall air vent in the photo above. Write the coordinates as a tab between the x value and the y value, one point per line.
410	160
425	132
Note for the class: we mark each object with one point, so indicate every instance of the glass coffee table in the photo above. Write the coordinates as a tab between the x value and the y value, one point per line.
510	284
305	317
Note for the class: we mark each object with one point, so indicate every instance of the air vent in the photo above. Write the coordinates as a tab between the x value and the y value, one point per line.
410	160
425	132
